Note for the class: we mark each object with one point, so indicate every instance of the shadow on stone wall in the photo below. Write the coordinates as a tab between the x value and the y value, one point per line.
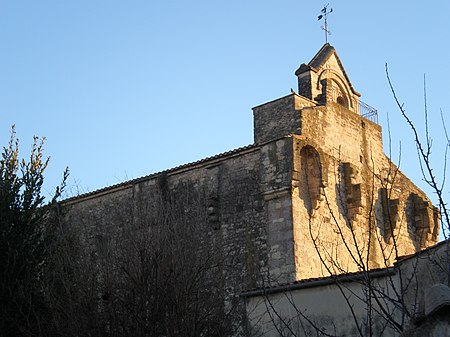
311	170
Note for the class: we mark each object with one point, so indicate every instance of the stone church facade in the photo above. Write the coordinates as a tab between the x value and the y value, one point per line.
296	204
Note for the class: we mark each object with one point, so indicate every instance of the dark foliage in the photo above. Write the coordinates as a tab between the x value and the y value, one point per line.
27	225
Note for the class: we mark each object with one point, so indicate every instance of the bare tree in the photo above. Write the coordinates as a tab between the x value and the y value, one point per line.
155	275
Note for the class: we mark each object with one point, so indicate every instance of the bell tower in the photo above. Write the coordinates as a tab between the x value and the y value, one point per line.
324	80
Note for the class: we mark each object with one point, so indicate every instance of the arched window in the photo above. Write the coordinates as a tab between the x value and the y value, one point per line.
311	174
339	95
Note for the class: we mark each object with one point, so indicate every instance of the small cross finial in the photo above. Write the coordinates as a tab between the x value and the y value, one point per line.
324	15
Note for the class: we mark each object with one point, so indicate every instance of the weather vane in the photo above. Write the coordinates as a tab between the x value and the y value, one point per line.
324	15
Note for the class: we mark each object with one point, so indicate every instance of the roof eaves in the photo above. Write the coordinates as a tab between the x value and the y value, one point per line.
320	281
167	171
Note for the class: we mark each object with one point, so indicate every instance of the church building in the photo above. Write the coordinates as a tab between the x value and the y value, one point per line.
313	196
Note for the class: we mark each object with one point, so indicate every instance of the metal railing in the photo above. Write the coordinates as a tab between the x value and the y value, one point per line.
368	112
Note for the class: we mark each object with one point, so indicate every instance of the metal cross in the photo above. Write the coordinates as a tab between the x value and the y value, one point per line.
324	15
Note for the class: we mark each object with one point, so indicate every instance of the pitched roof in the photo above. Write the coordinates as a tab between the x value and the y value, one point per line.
322	56
320	59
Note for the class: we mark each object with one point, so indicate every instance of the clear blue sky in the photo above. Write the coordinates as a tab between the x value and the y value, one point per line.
122	89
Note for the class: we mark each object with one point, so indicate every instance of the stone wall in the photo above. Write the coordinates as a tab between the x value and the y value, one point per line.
351	204
276	176
221	197
278	118
343	192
